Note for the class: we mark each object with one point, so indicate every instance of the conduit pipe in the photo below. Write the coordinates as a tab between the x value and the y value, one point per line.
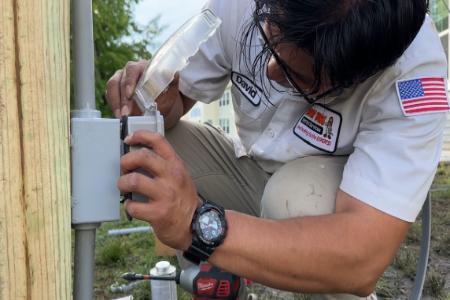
84	107
421	270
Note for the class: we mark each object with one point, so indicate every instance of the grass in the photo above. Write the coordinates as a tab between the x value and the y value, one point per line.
111	252
443	247
406	261
119	254
434	284
415	233
116	255
398	286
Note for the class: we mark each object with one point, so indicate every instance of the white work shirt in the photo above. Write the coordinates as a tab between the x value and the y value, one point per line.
392	154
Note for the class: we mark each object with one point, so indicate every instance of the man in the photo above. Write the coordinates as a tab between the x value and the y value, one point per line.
337	197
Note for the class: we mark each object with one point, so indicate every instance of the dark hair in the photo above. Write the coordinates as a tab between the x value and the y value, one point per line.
349	40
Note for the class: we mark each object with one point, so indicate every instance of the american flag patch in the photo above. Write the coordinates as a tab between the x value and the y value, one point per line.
423	95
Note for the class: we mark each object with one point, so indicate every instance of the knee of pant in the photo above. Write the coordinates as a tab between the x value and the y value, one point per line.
304	187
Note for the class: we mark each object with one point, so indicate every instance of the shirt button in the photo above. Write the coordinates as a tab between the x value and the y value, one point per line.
270	133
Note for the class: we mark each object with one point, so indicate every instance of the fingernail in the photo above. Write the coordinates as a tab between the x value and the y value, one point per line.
125	111
117	113
128	138
128	91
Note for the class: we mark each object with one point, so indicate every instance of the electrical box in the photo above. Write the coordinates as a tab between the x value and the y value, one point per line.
153	123
95	147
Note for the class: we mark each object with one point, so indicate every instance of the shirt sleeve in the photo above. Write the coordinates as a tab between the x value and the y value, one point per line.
395	157
208	72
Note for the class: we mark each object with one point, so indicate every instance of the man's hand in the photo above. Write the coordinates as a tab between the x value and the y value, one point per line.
172	193
120	89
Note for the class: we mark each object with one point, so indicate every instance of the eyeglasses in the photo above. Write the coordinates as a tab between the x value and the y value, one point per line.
258	18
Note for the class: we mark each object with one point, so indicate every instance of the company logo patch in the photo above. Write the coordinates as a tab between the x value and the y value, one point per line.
247	87
319	127
206	286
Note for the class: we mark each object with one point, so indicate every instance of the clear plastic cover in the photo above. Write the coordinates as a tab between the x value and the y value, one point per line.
172	57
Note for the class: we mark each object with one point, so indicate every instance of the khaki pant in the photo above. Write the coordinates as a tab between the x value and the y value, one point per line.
240	184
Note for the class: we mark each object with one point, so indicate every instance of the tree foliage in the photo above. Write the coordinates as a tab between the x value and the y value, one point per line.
117	40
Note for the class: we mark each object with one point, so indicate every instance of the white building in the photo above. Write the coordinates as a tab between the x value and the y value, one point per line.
219	113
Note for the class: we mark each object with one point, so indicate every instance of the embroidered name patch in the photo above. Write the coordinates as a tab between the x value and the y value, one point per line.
423	95
319	127
247	87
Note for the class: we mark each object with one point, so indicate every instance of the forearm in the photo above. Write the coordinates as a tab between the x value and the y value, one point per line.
180	107
310	254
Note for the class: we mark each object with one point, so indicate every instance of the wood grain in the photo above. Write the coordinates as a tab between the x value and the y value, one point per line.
35	235
13	271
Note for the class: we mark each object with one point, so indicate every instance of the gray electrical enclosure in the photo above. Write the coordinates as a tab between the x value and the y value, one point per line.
153	123
95	146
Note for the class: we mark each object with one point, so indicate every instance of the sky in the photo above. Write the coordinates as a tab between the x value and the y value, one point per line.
173	13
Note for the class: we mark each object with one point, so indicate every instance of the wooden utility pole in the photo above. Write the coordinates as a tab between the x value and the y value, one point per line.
35	233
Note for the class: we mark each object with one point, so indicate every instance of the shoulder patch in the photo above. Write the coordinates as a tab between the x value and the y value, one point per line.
319	127
422	95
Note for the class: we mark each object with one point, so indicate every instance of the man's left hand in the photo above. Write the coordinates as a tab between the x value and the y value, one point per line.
171	191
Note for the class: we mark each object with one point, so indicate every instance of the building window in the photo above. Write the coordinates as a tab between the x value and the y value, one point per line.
225	99
225	125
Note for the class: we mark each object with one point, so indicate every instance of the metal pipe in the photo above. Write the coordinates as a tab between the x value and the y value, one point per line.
84	261
421	270
84	107
124	231
83	59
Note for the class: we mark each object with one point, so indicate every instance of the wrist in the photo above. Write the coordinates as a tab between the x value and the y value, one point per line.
188	241
209	228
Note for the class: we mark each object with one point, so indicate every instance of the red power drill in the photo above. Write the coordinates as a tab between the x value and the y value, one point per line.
206	282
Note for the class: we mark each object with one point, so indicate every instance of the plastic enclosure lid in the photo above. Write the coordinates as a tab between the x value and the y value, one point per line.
173	56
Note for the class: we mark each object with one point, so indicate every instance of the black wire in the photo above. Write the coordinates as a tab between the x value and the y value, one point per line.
136	277
172	278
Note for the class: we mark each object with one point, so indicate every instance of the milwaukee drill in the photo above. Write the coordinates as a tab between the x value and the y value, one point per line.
204	282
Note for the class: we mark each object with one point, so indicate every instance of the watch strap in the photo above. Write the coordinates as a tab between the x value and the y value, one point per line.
196	254
199	251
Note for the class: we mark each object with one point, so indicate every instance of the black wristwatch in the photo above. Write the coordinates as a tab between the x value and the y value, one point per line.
209	228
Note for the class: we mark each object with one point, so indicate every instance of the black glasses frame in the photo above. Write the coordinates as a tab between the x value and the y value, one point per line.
257	18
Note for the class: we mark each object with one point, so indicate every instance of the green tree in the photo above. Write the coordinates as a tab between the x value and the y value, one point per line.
118	39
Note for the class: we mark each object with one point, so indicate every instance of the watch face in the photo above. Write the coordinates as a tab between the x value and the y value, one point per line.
210	225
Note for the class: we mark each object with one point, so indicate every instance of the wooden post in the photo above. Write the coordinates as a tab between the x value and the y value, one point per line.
35	233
